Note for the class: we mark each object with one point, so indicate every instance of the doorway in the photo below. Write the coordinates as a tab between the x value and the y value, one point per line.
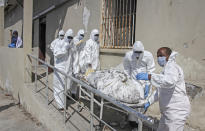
42	38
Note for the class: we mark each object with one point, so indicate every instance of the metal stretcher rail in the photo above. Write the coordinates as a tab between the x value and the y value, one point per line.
93	91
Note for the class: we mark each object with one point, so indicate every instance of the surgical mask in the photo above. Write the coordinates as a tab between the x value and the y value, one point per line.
69	38
161	60
96	37
136	55
61	37
81	37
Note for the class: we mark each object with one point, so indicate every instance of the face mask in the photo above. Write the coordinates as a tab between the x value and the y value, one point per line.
81	37
69	40
161	61
96	38
137	55
61	37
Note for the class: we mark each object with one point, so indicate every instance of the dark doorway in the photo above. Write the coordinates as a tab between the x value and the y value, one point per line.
42	38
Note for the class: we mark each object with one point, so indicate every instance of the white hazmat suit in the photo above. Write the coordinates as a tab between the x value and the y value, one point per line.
78	47
135	63
171	93
145	62
80	44
19	42
72	67
56	41
60	56
91	52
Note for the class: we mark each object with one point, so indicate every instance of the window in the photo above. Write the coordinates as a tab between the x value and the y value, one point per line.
118	23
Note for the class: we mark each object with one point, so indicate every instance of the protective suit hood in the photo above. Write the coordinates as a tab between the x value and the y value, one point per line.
138	46
61	32
93	33
173	56
81	32
69	32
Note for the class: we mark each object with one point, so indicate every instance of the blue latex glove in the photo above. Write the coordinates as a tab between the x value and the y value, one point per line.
146	106
142	76
146	91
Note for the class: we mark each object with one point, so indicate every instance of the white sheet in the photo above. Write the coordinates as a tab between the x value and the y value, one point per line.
116	84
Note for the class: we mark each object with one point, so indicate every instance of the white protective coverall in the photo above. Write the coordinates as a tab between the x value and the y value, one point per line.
79	45
19	42
63	61
72	67
56	41
133	66
171	92
91	52
60	57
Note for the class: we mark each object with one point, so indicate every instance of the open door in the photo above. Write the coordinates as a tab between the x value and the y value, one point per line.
42	38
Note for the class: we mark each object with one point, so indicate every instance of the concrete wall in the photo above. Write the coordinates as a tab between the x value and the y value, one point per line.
13	20
176	24
1	25
12	70
12	81
173	23
69	15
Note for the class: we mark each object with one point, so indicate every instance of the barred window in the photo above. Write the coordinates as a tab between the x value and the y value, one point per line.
118	23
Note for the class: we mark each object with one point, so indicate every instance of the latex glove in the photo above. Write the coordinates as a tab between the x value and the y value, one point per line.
146	91
146	105
142	76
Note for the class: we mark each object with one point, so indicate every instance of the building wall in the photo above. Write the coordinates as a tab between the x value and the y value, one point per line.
176	24
173	23
69	15
12	70
1	25
13	21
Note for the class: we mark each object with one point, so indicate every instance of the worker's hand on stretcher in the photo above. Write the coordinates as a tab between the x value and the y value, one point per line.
141	103
144	103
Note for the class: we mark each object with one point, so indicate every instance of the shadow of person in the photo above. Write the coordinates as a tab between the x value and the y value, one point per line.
5	107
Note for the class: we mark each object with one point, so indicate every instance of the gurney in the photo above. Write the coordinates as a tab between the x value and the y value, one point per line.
115	84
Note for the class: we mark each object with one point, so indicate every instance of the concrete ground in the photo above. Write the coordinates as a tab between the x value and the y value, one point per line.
14	118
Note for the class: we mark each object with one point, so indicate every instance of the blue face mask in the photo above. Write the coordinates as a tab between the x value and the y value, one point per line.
161	61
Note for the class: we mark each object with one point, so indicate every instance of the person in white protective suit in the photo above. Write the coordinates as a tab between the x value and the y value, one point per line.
91	52
72	67
136	61
79	45
63	61
59	38
171	92
60	56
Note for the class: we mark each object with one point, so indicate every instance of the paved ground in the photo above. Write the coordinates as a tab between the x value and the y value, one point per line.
14	118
